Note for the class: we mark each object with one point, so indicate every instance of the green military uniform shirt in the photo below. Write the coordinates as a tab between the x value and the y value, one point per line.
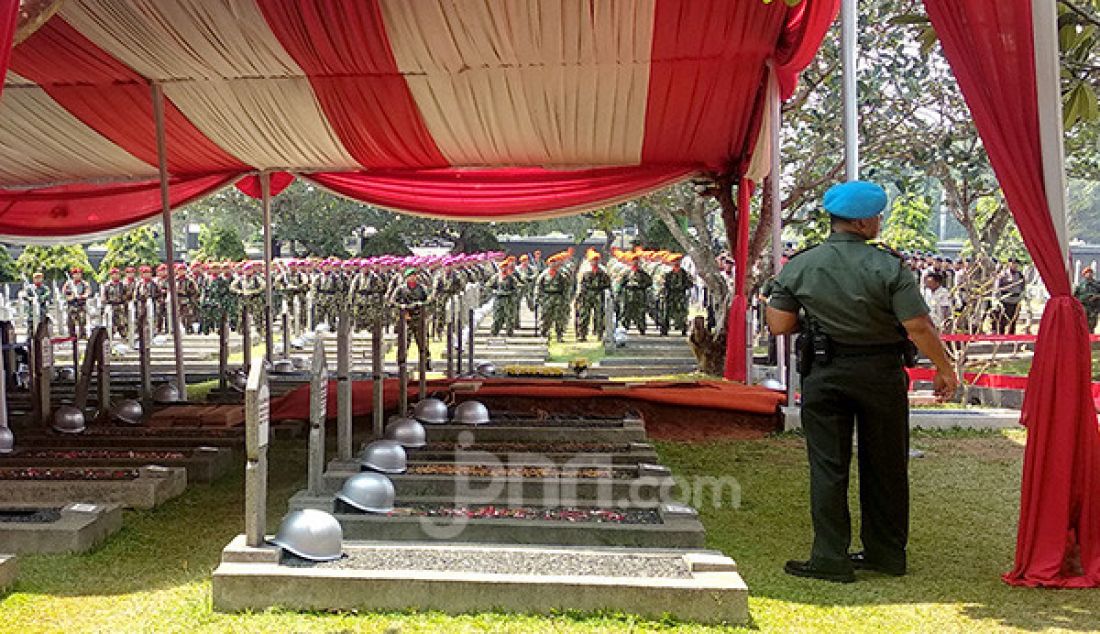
858	293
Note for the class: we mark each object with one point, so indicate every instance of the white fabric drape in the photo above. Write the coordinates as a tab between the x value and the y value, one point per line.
760	165
269	120
561	83
40	142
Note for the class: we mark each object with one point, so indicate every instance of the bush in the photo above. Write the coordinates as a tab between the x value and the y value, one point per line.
54	262
218	241
8	271
133	248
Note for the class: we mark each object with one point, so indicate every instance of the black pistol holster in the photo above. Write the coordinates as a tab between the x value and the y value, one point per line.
814	347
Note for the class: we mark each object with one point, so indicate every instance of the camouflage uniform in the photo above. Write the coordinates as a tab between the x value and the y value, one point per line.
553	301
677	284
636	286
329	285
218	303
145	290
76	297
506	289
590	302
39	295
187	290
414	300
160	305
367	297
249	290
117	296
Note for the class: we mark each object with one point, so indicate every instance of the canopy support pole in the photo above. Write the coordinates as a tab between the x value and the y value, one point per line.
169	247
265	199
1044	18
774	174
849	20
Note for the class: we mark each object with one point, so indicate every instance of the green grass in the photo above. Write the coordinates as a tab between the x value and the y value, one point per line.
155	575
199	391
568	350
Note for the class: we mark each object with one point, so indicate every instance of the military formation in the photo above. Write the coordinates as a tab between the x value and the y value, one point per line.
644	287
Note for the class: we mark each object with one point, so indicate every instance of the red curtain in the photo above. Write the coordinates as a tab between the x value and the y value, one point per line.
9	18
990	46
736	342
79	210
250	185
499	194
807	25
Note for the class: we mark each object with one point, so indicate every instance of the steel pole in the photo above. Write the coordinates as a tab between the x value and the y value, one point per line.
169	248
777	226
1044	17
849	42
265	199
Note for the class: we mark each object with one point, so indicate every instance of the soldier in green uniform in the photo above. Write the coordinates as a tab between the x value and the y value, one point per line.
677	284
505	288
218	301
249	289
145	291
636	285
414	297
1087	292
590	299
861	309
76	292
38	296
187	290
116	299
553	299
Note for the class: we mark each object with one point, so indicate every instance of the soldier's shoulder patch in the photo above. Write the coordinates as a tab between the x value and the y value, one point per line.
803	250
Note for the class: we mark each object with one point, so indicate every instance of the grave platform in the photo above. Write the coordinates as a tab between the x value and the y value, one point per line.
74	528
143	488
695	585
668	526
9	571
203	464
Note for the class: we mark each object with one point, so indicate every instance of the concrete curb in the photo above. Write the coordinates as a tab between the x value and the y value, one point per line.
9	571
252	579
153	486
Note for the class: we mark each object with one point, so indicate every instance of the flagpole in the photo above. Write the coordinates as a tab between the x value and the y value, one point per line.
849	42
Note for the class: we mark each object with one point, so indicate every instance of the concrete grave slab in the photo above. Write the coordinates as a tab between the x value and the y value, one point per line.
9	571
702	586
78	528
153	486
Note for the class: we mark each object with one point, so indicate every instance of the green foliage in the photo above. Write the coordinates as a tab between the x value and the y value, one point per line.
8	271
219	241
474	238
908	226
54	262
386	242
134	248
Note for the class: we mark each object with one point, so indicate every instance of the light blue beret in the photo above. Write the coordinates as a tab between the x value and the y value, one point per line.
855	200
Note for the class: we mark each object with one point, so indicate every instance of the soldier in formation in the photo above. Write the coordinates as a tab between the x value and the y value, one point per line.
1087	292
38	297
116	297
76	292
592	287
553	294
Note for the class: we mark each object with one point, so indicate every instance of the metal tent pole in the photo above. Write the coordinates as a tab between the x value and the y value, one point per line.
849	42
1044	18
777	230
169	248
265	199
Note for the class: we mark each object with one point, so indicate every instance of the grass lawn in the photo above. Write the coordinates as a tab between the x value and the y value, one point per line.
155	575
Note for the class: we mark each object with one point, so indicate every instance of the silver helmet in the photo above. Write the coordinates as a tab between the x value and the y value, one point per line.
407	431
237	380
7	440
431	410
486	369
282	366
298	343
471	413
127	411
311	534
773	384
68	420
166	393
386	456
368	491
299	363
65	373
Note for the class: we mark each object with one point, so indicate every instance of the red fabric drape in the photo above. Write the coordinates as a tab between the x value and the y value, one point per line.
75	210
9	18
501	193
736	361
250	185
807	25
990	46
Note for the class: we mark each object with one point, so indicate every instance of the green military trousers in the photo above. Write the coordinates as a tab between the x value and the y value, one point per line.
868	395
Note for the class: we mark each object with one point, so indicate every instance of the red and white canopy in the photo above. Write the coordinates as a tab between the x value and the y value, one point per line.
554	105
